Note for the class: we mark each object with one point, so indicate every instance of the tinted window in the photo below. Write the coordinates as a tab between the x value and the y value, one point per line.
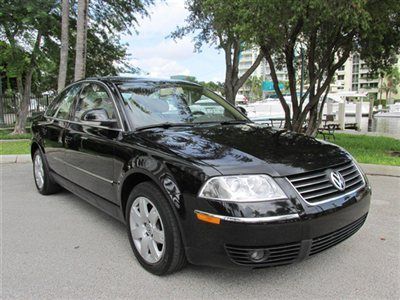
54	105
66	100
152	103
94	96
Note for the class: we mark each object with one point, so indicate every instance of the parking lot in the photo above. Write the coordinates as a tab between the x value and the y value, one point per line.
61	247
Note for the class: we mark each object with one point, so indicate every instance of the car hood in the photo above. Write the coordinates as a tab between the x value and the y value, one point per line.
248	148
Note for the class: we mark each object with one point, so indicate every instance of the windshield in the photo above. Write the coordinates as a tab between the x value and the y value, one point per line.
152	103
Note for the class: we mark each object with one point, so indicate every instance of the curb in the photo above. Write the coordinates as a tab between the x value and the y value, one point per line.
15	140
13	158
380	170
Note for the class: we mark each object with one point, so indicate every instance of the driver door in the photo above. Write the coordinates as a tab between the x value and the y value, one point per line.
90	139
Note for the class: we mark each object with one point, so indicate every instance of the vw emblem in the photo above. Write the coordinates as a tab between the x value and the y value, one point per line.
337	180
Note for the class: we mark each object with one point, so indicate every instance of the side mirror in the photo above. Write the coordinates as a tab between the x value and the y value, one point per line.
100	116
95	115
242	110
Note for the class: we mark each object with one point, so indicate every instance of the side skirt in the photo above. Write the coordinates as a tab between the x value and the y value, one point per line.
103	204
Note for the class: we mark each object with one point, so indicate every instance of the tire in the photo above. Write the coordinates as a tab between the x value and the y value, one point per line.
163	253
41	174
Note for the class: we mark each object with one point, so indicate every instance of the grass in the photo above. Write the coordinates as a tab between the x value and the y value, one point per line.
365	149
5	135
15	147
370	149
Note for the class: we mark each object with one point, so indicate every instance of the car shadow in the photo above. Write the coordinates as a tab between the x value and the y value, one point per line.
201	272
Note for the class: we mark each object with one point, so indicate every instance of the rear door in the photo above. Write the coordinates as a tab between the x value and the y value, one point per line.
90	142
53	132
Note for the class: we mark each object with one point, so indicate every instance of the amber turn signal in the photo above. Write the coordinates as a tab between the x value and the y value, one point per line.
207	218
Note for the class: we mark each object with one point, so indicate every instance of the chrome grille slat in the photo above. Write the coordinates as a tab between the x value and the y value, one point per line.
329	185
343	168
333	190
309	177
315	186
351	178
312	183
354	183
344	174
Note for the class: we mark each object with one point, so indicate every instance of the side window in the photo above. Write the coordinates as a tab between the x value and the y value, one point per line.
54	105
66	100
95	100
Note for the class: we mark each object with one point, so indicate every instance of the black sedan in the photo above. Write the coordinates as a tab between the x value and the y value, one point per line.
192	178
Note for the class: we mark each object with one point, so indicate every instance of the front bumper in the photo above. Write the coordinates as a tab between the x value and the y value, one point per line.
283	241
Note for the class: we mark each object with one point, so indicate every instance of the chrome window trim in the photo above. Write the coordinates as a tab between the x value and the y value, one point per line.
109	92
67	87
121	106
334	198
84	171
122	129
251	220
84	124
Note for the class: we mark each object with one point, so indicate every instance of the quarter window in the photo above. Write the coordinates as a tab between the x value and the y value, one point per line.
63	106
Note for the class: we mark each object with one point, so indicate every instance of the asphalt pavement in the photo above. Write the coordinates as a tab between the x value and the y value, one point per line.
58	247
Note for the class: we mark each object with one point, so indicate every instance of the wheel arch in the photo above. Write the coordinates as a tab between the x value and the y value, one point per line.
35	146
136	177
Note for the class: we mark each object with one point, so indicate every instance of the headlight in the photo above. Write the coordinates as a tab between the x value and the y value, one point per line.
242	188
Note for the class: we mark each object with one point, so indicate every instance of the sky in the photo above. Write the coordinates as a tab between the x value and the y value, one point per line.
162	57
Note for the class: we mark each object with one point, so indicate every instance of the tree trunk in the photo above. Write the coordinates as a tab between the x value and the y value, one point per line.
316	117
62	72
233	82
230	94
81	36
22	114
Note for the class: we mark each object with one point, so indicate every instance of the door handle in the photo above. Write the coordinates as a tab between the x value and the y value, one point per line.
68	139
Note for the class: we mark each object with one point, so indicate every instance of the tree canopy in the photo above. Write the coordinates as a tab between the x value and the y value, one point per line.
30	36
328	31
211	22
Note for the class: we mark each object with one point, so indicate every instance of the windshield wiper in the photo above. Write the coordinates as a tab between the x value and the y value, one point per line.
164	125
234	122
223	122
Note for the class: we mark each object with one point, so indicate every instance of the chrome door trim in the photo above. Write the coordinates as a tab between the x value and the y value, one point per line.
84	171
84	124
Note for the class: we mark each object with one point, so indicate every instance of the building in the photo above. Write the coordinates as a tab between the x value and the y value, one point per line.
246	60
354	75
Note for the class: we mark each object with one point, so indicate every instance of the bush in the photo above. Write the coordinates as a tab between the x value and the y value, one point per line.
382	101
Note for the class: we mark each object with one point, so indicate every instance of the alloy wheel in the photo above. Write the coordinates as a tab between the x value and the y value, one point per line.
39	171
147	230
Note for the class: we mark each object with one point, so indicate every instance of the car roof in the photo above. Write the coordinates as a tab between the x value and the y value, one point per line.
122	80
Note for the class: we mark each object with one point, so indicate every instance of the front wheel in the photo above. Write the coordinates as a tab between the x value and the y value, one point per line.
153	230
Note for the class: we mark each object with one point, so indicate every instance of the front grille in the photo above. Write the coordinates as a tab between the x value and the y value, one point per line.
331	239
274	255
316	186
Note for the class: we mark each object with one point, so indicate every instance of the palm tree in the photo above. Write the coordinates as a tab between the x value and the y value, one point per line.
62	73
254	85
81	39
391	85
